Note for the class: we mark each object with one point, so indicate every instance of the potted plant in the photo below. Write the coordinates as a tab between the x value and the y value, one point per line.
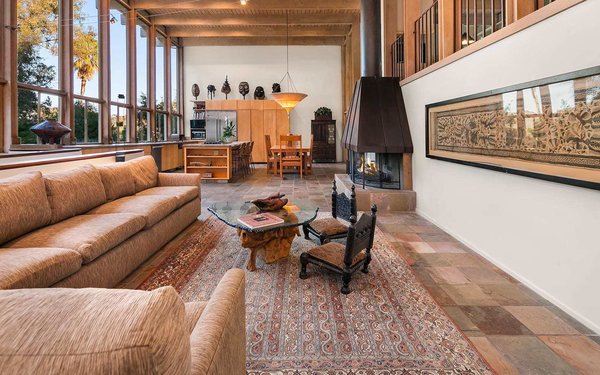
323	113
228	133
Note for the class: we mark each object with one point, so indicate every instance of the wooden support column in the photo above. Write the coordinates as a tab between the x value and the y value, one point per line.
132	75
447	27
65	57
104	39
5	74
407	172
355	38
167	49
10	91
412	11
390	31
152	82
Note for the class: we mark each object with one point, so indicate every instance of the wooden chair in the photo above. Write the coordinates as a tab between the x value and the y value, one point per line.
331	228
290	153
345	259
272	159
308	159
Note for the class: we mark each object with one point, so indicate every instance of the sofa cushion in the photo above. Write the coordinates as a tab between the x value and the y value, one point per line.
144	171
93	331
89	235
117	180
153	208
74	192
193	311
23	205
36	267
183	194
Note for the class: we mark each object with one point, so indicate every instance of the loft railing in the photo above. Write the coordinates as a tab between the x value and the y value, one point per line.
480	18
398	57
427	38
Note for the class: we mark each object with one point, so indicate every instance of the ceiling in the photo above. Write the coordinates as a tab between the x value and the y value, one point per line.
259	22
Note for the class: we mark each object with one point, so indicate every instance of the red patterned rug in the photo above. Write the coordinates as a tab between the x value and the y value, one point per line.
388	325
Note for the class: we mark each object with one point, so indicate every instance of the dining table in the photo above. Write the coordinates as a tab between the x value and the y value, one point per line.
276	148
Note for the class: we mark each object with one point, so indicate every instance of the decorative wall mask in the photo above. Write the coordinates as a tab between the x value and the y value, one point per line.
276	87
212	90
226	89
195	91
259	93
244	89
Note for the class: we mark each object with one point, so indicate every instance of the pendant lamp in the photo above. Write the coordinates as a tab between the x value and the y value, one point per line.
288	99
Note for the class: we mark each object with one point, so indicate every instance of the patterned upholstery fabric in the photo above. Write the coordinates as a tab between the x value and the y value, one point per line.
23	205
329	226
36	267
89	235
153	208
219	338
74	192
117	180
144	171
93	331
333	253
193	311
179	179
183	194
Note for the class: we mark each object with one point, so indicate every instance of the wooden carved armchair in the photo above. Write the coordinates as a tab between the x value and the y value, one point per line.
345	259
331	228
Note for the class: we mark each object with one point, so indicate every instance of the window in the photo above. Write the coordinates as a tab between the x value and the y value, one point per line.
118	51
141	37
118	123
175	79
160	73
161	126
142	121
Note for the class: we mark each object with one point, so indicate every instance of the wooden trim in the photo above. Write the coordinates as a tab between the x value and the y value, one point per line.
152	82
546	12
390	14
65	58
167	85
66	159
104	40
447	28
132	76
412	10
12	97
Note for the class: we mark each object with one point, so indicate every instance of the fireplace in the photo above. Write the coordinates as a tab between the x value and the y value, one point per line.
379	170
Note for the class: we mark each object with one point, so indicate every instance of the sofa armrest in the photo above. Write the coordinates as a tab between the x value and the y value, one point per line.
218	340
179	179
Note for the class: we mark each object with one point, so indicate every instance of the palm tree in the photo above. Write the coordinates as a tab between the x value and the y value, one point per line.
85	52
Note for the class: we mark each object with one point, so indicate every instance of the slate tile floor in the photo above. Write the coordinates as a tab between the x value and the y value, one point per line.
516	330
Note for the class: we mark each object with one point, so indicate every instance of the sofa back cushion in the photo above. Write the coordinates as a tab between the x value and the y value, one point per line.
93	331
145	173
118	180
23	205
74	192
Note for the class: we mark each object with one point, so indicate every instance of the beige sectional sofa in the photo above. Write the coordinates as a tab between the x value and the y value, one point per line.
91	226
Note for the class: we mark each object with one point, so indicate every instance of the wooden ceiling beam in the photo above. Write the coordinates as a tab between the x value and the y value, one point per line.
251	5
262	31
262	41
258	19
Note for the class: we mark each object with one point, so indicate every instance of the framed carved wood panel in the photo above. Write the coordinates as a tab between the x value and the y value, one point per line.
547	129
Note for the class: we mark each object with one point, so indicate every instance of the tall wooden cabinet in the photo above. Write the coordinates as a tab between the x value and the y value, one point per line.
324	141
255	118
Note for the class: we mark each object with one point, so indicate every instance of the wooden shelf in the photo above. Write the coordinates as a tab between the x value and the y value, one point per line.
207	157
207	167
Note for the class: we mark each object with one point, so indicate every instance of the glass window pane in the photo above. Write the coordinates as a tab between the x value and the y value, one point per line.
118	48
85	48
118	123
161	126
87	122
160	73
174	79
35	107
37	43
142	123
141	35
175	125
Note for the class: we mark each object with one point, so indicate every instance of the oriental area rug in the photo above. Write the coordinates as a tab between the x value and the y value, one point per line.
389	324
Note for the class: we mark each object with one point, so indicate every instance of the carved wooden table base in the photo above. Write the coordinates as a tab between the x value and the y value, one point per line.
273	245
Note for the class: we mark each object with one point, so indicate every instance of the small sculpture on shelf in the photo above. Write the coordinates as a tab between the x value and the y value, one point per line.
276	87
273	202
323	114
50	131
212	90
226	88
259	93
244	89
195	91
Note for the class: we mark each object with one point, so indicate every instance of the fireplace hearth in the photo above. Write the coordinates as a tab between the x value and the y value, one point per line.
379	170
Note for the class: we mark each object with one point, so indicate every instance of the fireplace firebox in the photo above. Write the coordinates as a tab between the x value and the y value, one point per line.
378	170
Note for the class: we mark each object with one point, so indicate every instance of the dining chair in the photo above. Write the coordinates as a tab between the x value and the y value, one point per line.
308	158
272	160
290	152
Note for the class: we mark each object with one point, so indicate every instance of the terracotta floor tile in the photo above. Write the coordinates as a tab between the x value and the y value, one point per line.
468	295
437	237
460	318
430	229
541	321
494	320
579	351
569	319
447	247
498	362
447	275
510	294
439	295
421	247
531	356
407	237
478	275
461	260
432	259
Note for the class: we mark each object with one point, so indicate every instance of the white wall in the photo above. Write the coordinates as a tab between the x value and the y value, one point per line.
316	71
545	234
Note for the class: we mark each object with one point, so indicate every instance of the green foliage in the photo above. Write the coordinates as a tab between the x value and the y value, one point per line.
323	111
228	131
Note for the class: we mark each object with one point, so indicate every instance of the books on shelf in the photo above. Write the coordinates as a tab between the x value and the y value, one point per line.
260	221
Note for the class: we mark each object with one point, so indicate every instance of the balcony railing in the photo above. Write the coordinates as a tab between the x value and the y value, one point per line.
427	38
398	57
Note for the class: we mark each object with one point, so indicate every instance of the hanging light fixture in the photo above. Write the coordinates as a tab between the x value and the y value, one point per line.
288	99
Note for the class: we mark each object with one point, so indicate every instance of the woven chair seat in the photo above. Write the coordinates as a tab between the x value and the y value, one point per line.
329	226
333	253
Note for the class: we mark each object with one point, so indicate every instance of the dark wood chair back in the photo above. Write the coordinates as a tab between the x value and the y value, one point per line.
361	235
342	206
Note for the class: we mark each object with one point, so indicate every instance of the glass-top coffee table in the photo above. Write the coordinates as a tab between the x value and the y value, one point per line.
273	243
